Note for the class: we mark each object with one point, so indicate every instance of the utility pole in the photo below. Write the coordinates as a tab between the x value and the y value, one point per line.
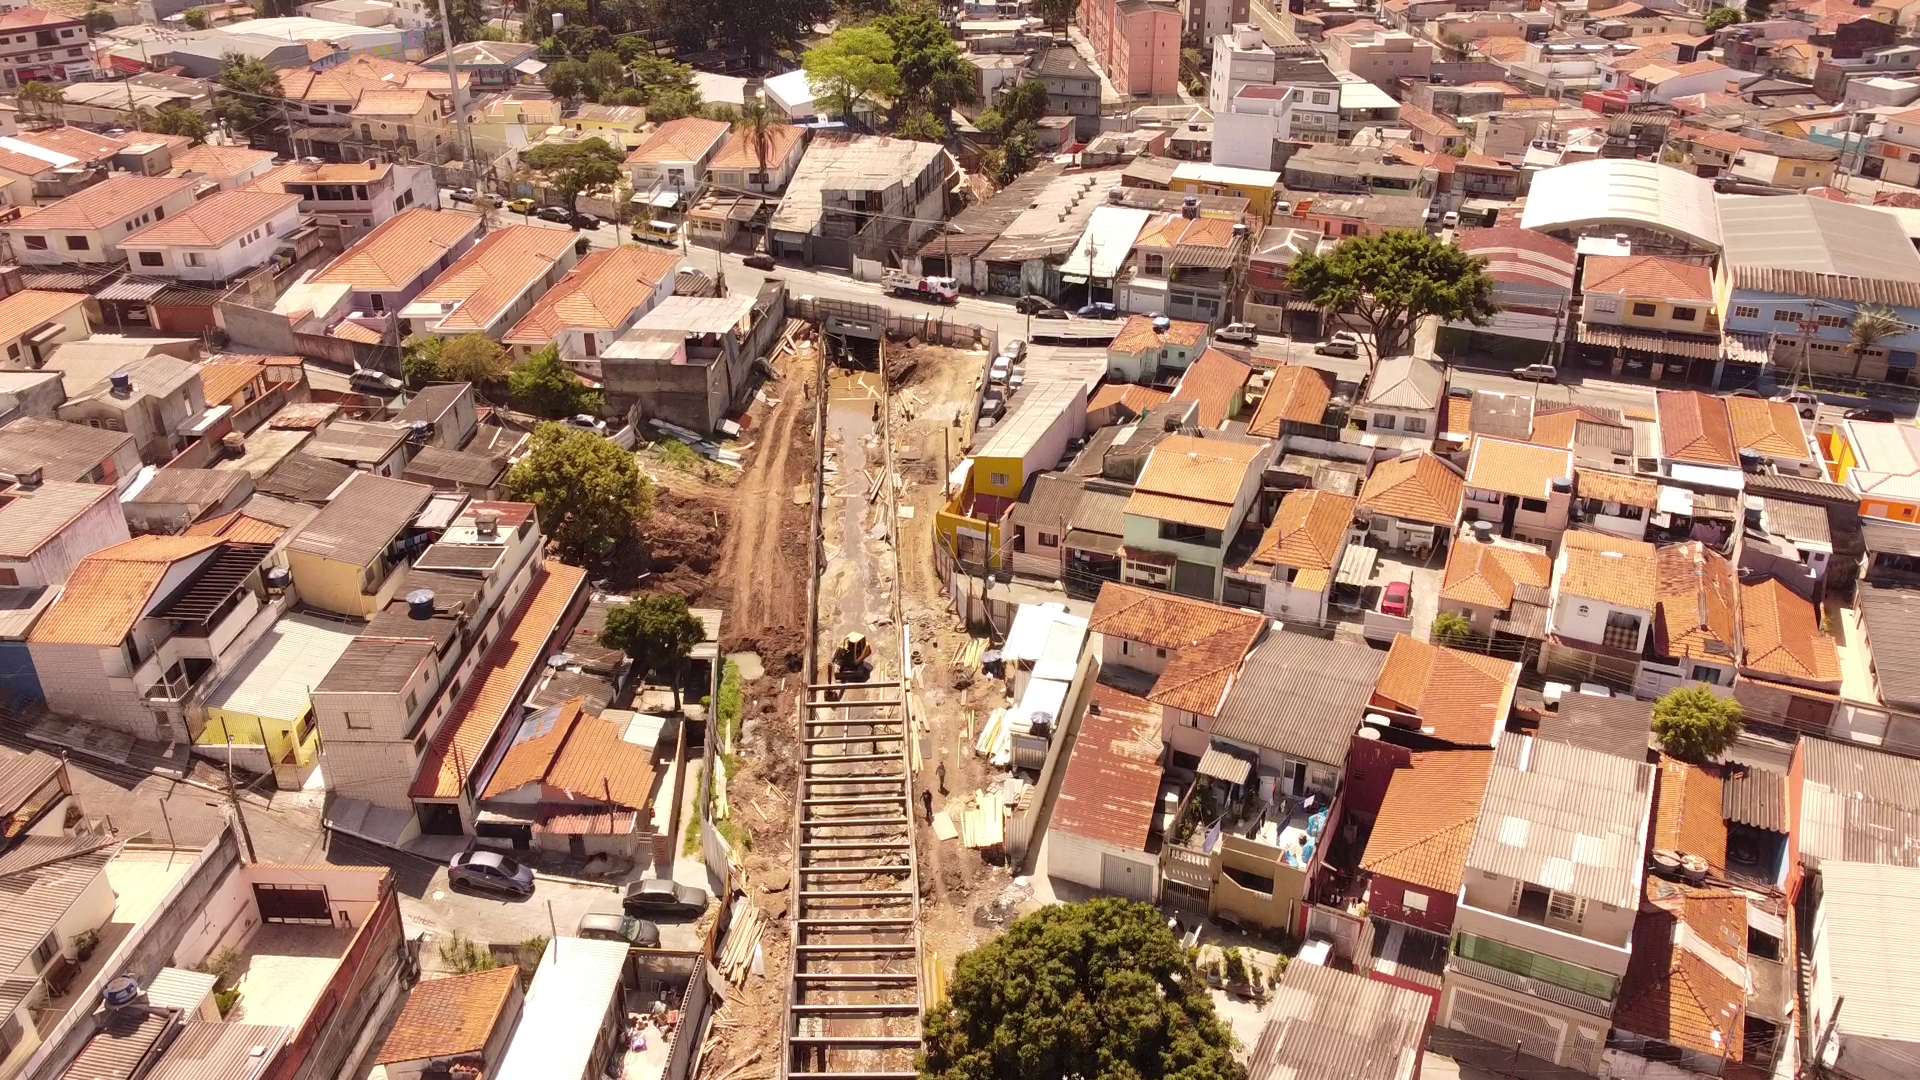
233	797
459	96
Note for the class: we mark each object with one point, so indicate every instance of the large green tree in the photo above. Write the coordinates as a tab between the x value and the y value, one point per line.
850	68
1099	989
249	98
39	97
667	89
1057	13
572	168
658	632
545	386
1695	724
1392	280
934	75
590	493
473	358
177	120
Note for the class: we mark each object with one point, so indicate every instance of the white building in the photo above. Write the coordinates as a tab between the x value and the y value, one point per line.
88	227
218	239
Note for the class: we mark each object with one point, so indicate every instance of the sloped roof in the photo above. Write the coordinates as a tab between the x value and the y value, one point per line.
1301	693
1426	822
1696	614
1297	395
215	221
1111	789
685	139
1193	481
115	199
1459	697
484	283
570	750
1565	817
1769	428
1694	428
1212	382
449	1017
1647	275
1780	631
1417	487
738	152
32	517
1205	642
1406	382
1517	468
1328	1024
599	294
1307	534
1609	569
106	594
401	249
1485	574
367	514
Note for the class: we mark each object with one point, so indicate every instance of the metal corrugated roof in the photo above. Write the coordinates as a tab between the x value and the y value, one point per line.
1302	695
366	516
41	877
1619	726
1566	817
1327	1024
1875	970
1623	191
123	1042
1891	616
1859	804
1755	796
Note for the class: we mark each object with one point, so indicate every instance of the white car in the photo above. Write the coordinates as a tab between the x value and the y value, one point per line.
1238	333
1538	373
1450	220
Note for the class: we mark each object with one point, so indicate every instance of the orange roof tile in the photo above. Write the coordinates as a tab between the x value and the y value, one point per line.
1695	618
1780	631
497	684
1173	231
26	311
1687	813
239	528
1205	642
326	172
1609	569
450	1017
215	221
211	160
1771	428
1458	697
1517	468
344	83
403	103
1138	335
484	283
600	294
576	757
1421	120
1648	276
106	593
115	199
1616	488
1306	534
1675	995
222	381
739	153
1418	487
1485	574
1297	395
402	248
685	139
1556	426
1204	474
1458	417
1694	427
1213	383
1427	820
75	142
352	331
1131	399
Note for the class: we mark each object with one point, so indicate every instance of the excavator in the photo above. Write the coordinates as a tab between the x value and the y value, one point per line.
852	662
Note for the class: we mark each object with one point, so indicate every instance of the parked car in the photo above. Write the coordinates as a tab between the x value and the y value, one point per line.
371	379
1238	333
559	215
1874	416
1338	346
1803	403
587	422
759	260
660	896
1450	219
489	872
1015	350
584	221
1032	305
1538	373
1099	311
1397	599
613	926
1053	313
522	206
463	195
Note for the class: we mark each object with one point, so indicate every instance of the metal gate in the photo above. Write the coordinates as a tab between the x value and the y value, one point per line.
1124	877
306	904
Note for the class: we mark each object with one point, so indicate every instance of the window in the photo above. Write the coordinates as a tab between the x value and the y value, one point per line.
1048	539
1817	715
413	701
8	577
194	258
76	243
590	344
1349	229
379	303
1160	653
358	721
44	953
1321	98
1383	421
1702	674
1745	311
1623	631
1414	425
1836	321
1784	315
1686	314
1534	506
36	243
1154	264
1607	304
1799	170
1414	901
152	258
1645	311
420	744
999	479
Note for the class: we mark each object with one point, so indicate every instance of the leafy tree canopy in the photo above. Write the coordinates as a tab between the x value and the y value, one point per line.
1695	724
1099	989
178	120
1721	18
420	360
249	97
1023	103
473	358
666	88
850	67
546	386
590	493
658	632
1394	279
1057	13
572	168
934	76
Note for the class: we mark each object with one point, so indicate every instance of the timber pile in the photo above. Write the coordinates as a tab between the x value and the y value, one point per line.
743	941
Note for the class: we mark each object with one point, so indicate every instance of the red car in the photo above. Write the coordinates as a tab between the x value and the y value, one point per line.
1397	600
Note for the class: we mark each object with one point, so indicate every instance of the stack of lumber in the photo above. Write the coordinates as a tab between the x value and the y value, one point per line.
743	942
984	823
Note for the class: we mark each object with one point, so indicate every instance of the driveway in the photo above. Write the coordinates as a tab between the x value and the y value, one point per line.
1425	579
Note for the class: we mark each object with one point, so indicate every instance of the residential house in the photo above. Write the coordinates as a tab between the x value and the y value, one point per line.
670	167
380	447
1854	960
1499	586
575	1013
1326	1022
478	475
1185	266
349	200
1688	988
168	500
690	358
74	453
489	288
1605	594
1771	432
1404	397
1613	503
1215	385
1449	696
448	410
1065	528
264	708
1416	851
229	166
489	65
1524	491
1412	501
1137	43
1260	187
1265	122
740	166
386	269
90	226
43	44
48	526
63	893
1187	507
1289	572
599	300
855	199
1293	402
1383	57
1649	308
455	1017
217	239
143	630
1073	88
1696	438
621	126
1143	349
1022	447
1789	666
1341	216
1106	817
153	400
348	560
1270	303
33	323
1543	928
563	764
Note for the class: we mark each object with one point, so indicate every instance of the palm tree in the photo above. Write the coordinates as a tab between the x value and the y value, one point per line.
1871	326
758	122
41	95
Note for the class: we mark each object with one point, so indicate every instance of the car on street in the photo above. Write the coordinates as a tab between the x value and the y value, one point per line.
489	872
759	260
584	221
1238	333
1338	346
1015	350
1397	599
1099	311
1033	305
463	194
371	379
1803	402
1872	416
661	896
559	215
1053	313
1537	373
522	206
614	926
1450	219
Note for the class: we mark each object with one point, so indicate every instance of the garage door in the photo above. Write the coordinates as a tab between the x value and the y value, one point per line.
293	904
1125	877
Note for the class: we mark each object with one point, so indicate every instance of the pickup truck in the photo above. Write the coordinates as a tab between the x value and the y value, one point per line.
940	290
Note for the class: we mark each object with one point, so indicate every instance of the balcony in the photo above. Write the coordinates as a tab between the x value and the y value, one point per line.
1546	941
177	683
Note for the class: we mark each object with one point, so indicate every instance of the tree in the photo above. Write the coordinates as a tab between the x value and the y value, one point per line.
1097	989
1393	280
1451	628
545	386
40	98
461	955
99	20
919	125
667	88
249	98
567	79
420	360
1871	326
1017	153
933	74
605	71
1023	103
195	18
472	358
855	64
658	632
756	123
1695	724
1721	18
590	493
572	168
1057	13
179	120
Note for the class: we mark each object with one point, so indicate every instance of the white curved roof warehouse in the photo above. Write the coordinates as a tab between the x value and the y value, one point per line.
1623	191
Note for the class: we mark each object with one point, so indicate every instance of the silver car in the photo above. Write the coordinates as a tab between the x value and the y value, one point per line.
490	872
613	926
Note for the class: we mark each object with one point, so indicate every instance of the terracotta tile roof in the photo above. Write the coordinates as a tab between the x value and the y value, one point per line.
404	247
738	152
1205	642
1306	534
1213	382
1131	398
14	161
1648	276
1459	697
1517	468
115	199
1138	335
75	142
1555	427
343	84
1297	395
326	172
600	294
213	160
1172	231
1421	120
1771	428
353	331
1456	417
685	139
450	1017
27	18
1616	488
1426	823
1416	487
1687	812
1192	481
222	381
1694	428
496	685
106	593
405	103
1608	569
484	283
576	757
1696	618
215	221
1485	574
26	311
1674	994
1781	634
1111	789
239	528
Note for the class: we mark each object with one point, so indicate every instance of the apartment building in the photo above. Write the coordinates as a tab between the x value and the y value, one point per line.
1137	43
36	43
352	199
596	303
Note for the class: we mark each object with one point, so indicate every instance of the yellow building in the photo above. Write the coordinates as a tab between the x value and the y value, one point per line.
1647	292
1257	186
263	704
1030	440
1879	461
345	560
617	124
